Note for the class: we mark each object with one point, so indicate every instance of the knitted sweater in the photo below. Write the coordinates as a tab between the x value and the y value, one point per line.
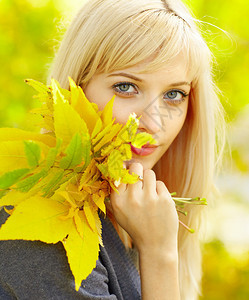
36	270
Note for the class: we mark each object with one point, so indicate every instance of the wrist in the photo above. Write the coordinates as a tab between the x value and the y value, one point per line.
163	255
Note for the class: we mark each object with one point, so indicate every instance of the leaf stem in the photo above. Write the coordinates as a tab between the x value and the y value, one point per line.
182	212
185	226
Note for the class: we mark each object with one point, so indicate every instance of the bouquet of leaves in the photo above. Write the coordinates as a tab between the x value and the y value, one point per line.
53	185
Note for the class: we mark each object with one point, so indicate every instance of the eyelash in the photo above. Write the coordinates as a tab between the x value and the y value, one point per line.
171	101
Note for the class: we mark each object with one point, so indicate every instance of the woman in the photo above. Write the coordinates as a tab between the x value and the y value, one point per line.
150	54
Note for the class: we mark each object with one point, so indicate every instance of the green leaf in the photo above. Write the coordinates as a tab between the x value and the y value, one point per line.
53	184
33	153
10	178
103	169
87	150
52	154
2	193
26	184
74	153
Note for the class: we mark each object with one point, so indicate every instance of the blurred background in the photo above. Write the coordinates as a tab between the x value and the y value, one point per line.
30	31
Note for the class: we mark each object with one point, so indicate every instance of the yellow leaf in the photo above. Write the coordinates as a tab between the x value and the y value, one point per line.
83	106
43	110
96	108
48	123
86	111
38	86
108	149
102	133
13	198
125	151
82	253
99	200
113	187
88	210
88	173
115	164
70	214
78	221
67	121
78	196
98	227
37	218
74	92
15	134
108	137
68	198
141	139
97	128
9	211
129	178
106	115
12	154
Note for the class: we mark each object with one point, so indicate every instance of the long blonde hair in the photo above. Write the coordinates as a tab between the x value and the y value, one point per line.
109	35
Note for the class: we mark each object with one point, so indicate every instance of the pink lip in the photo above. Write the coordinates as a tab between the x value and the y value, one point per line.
144	150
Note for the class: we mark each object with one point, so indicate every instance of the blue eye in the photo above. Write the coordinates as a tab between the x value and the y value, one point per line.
125	88
175	96
128	89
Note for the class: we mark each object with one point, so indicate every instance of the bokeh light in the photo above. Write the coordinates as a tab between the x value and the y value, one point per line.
30	31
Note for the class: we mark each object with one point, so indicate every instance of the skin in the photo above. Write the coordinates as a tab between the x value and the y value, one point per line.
145	209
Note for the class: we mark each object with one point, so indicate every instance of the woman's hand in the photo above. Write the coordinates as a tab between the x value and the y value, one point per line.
147	212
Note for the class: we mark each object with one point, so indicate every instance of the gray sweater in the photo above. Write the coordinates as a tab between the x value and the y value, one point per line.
35	270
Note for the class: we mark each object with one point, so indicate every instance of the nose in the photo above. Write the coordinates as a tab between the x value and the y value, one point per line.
151	119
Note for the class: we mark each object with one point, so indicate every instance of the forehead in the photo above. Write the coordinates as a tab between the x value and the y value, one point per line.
175	68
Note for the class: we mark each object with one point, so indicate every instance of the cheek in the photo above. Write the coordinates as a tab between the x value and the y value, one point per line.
121	113
101	96
175	123
96	93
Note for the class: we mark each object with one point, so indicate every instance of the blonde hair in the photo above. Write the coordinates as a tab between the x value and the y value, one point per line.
109	35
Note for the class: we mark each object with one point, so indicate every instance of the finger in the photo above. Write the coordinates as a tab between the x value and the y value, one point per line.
136	168
121	188
161	188
116	197
163	191
149	182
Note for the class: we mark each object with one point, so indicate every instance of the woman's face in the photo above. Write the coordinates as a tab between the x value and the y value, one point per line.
160	97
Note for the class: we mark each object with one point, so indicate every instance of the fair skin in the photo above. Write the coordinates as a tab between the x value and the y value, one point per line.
145	209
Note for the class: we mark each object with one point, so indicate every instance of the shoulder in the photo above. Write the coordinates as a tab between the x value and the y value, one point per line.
36	270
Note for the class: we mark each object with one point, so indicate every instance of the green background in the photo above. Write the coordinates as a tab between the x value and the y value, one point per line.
30	32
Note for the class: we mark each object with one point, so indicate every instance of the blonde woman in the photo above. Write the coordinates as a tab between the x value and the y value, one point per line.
150	54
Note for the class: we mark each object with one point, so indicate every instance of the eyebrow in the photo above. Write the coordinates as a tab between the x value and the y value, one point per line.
126	75
140	80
